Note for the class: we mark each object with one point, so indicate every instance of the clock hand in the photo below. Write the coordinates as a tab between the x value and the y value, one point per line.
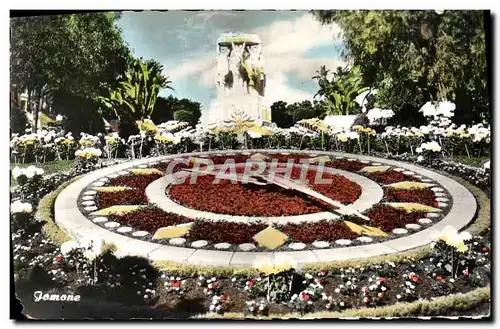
288	184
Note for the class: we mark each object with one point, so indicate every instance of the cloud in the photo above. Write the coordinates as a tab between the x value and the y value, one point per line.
295	36
277	89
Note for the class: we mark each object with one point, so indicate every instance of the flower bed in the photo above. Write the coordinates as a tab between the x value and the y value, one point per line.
388	218
391	177
319	231
253	200
353	166
149	219
126	197
223	232
39	264
139	182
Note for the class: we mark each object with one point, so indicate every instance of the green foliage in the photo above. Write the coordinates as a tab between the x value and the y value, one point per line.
416	56
165	109
183	115
138	89
340	92
18	120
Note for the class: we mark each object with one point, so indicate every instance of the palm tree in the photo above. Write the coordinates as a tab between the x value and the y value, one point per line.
340	92
138	89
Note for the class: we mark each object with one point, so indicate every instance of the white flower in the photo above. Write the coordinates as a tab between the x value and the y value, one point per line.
420	158
445	109
33	171
254	134
353	135
59	117
418	150
428	109
89	255
342	137
466	236
20	207
68	246
486	166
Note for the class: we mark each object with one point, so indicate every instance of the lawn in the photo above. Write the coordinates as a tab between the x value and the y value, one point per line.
472	161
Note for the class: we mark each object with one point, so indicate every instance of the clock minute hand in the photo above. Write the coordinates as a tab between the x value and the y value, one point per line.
288	184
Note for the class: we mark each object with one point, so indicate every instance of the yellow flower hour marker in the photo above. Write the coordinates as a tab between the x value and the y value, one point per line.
170	232
365	230
373	169
145	171
411	206
112	188
117	210
406	185
270	238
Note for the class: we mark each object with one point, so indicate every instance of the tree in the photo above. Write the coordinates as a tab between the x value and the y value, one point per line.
166	107
280	115
62	59
412	57
183	115
135	96
18	120
339	93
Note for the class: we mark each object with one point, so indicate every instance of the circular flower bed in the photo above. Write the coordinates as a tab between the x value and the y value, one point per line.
253	203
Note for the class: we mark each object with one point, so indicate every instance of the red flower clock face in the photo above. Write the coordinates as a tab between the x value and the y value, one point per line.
265	201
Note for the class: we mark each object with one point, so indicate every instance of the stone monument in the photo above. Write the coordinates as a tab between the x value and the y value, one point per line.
241	82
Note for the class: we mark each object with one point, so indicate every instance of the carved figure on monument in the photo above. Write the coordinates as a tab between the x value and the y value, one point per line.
223	73
254	68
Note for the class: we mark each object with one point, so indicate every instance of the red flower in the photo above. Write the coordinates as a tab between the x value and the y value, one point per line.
465	272
366	300
382	279
324	272
381	294
365	289
304	296
251	283
215	284
485	249
440	278
224	297
175	283
414	278
60	259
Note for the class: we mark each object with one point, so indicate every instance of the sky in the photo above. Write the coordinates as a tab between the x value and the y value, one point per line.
294	46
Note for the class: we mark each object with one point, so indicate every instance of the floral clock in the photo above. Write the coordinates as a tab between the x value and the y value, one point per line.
365	201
